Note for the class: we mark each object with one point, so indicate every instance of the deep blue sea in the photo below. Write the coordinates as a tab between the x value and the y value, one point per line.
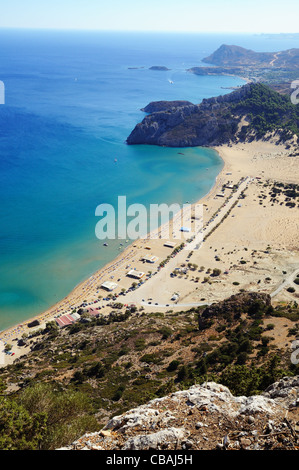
71	102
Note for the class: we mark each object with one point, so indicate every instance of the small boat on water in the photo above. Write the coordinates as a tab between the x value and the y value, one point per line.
105	244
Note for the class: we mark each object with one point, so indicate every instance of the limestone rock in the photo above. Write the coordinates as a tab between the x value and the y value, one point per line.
218	420
162	439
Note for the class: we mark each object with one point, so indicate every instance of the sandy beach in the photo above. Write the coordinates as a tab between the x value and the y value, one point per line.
250	240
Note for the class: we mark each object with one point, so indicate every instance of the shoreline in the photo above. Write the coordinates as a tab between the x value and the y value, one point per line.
259	160
52	312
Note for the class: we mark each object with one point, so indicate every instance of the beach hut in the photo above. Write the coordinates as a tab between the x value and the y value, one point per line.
64	320
109	286
150	259
169	244
75	316
67	319
93	312
135	274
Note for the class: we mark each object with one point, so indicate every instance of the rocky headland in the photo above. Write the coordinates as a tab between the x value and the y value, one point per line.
267	67
157	106
231	55
248	113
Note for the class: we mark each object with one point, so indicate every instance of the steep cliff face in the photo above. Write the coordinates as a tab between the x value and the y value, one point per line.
205	417
220	120
189	125
157	106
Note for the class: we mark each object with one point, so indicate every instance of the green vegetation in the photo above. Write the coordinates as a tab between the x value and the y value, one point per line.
256	108
291	289
216	272
71	382
268	111
19	429
253	380
43	417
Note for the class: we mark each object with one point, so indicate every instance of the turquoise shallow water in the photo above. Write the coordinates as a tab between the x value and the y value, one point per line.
71	102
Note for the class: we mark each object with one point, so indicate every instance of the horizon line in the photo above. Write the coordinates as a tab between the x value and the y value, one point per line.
67	29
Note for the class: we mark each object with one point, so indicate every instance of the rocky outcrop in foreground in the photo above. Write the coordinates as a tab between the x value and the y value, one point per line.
205	417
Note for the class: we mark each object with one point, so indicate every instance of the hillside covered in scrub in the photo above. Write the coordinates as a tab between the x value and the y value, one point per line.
77	378
252	112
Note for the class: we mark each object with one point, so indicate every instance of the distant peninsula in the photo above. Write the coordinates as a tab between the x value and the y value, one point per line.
251	112
269	67
236	55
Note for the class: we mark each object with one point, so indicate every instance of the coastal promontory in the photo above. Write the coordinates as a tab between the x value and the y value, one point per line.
265	67
233	55
250	112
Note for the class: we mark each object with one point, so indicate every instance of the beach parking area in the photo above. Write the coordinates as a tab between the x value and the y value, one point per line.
249	238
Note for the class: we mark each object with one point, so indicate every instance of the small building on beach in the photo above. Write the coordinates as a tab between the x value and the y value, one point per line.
150	259
94	312
109	286
170	244
135	274
66	320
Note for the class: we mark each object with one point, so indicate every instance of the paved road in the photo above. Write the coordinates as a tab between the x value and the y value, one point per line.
153	285
170	305
143	291
285	283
